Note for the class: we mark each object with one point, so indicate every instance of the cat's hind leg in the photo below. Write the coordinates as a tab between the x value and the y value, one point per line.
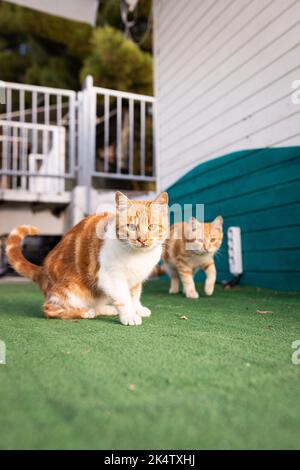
103	309
62	307
67	313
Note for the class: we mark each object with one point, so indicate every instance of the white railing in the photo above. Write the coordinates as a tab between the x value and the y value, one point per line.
49	135
38	137
116	131
33	157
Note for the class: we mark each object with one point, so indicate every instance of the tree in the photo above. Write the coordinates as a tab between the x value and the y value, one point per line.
47	50
109	15
117	62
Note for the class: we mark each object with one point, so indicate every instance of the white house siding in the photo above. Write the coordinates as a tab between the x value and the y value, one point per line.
223	79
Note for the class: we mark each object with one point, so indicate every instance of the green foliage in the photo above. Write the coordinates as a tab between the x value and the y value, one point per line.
10	18
109	15
12	66
55	73
117	62
27	23
58	52
71	34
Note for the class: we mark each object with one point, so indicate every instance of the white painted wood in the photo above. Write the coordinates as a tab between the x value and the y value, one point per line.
207	13
213	30
275	135
81	10
263	47
215	120
223	75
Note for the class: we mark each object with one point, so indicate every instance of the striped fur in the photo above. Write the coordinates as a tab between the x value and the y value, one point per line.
159	270
100	264
191	247
15	255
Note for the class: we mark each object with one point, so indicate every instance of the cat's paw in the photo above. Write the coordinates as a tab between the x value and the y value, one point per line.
143	311
174	290
209	289
191	294
131	319
174	287
106	311
89	314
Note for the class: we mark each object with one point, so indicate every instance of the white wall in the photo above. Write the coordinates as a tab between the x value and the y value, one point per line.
223	79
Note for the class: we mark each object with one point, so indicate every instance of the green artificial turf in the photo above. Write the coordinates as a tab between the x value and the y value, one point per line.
221	379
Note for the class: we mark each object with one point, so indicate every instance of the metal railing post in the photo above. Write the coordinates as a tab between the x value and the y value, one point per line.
87	111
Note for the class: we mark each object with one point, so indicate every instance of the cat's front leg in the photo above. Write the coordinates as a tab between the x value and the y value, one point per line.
117	289
174	287
211	275
175	282
186	276
136	292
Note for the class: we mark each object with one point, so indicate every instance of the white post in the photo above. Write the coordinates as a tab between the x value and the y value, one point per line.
87	110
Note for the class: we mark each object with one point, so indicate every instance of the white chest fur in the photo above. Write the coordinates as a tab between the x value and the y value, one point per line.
134	265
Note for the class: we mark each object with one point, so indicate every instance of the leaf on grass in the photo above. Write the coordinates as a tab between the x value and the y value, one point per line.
131	387
264	312
86	352
183	317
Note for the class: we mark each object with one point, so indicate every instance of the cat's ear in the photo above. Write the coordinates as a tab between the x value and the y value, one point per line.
218	222
161	199
102	225
122	201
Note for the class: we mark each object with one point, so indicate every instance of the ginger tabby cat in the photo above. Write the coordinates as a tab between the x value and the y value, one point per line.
191	247
100	264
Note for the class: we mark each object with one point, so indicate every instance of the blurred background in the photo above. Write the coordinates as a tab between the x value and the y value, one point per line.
48	50
198	98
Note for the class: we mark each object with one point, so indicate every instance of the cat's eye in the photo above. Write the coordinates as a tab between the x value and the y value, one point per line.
152	227
212	240
132	227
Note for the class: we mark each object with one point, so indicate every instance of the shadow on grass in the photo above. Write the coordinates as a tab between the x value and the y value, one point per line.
114	320
31	309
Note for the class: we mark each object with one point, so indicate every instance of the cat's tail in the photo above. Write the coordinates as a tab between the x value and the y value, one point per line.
15	255
159	270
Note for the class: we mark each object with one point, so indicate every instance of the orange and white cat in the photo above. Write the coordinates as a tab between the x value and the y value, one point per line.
191	247
99	266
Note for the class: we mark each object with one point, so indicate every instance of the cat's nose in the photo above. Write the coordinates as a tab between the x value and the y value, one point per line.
142	240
